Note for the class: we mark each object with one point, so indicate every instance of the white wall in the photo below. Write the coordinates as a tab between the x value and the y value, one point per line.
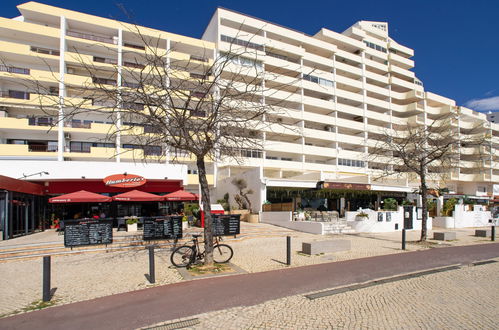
464	219
372	225
284	219
253	179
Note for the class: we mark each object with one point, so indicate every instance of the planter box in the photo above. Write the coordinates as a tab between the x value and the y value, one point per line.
131	227
444	236
244	214
317	247
185	225
253	218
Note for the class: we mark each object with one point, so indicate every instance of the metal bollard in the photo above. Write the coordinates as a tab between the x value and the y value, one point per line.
152	277
46	278
493	233
403	239
288	250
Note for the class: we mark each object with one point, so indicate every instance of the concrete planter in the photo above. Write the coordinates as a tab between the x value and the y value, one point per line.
185	225
244	214
132	227
253	218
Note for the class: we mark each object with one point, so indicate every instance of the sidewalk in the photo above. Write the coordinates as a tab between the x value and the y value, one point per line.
149	306
260	247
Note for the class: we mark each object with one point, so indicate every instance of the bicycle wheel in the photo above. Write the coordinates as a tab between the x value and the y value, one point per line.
182	256
222	253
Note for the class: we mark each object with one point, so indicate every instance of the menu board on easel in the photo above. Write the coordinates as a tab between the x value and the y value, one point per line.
83	232
163	228
226	225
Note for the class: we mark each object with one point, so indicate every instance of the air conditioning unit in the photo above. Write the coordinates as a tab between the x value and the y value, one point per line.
67	136
329	128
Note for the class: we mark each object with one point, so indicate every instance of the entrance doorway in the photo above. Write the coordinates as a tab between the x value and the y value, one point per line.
408	217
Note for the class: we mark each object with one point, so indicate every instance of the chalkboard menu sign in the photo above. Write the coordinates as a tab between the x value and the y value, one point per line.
163	228
226	225
82	232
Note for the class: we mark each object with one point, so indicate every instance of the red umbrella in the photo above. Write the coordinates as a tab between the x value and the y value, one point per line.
81	196
137	196
181	195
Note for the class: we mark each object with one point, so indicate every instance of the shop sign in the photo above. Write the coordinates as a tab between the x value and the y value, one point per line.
352	186
124	180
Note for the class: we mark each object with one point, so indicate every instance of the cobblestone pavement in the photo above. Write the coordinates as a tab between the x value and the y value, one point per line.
261	247
466	298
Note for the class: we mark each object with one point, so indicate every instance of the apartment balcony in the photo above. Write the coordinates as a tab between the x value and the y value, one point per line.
280	146
31	30
319	59
347	109
378	116
340	122
319	151
403	83
318	118
400	48
295	50
283	80
282	63
22	98
28	151
349	81
318	134
282	95
351	139
401	71
348	68
375	76
316	102
97	153
283	164
377	65
401	61
309	166
349	95
377	89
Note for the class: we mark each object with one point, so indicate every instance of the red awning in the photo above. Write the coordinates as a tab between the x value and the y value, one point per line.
181	195
81	196
137	196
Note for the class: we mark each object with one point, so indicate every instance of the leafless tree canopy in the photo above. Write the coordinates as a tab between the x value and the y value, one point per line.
429	151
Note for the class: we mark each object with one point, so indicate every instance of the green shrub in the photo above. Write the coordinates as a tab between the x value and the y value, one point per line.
390	204
448	207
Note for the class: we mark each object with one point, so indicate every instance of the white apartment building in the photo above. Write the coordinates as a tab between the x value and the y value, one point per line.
342	89
354	85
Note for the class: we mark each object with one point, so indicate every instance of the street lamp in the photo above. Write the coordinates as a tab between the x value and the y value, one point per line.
37	173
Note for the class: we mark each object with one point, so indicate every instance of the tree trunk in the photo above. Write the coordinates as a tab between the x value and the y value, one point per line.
424	193
208	223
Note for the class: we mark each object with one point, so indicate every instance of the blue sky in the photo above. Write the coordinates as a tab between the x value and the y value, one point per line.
456	42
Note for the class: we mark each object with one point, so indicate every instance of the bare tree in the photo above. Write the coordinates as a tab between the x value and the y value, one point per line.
206	106
427	152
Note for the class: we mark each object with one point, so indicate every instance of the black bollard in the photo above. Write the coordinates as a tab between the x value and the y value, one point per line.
493	233
46	278
403	239
288	250
152	277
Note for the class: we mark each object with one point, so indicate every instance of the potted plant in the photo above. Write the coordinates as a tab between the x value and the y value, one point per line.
131	224
361	216
185	223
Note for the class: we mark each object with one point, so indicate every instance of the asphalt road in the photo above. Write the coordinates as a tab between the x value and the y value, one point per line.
149	306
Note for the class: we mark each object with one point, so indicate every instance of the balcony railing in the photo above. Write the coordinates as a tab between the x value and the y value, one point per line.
198	58
12	69
134	65
92	37
15	94
42	148
41	121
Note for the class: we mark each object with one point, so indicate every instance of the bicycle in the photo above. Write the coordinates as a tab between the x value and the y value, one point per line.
185	255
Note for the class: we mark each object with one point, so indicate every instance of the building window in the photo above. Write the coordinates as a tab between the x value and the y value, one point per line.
45	51
351	162
317	80
242	61
240	42
374	46
12	69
